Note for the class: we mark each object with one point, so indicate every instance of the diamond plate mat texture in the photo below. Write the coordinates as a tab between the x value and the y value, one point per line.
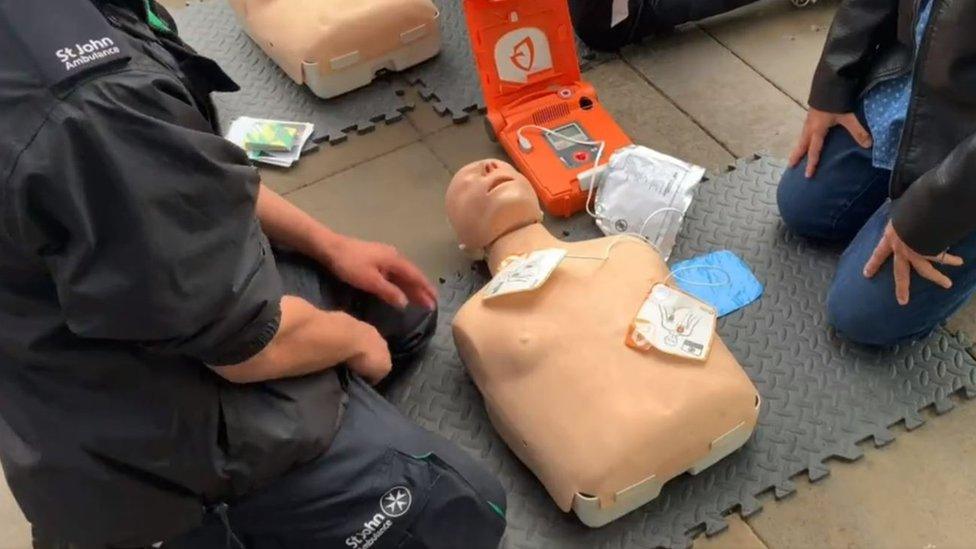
267	92
449	81
821	396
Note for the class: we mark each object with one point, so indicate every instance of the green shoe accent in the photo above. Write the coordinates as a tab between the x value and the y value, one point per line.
497	509
423	456
154	20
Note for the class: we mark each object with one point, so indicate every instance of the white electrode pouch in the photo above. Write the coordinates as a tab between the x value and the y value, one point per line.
675	323
646	193
524	273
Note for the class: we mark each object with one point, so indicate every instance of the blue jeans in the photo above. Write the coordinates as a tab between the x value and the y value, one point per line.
847	201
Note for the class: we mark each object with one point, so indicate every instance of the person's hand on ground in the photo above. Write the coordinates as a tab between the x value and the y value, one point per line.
815	132
905	259
372	361
380	270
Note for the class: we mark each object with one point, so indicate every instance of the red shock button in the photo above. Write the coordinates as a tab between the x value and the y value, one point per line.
581	156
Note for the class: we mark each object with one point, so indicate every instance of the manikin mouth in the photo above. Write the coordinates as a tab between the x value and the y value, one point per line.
499	180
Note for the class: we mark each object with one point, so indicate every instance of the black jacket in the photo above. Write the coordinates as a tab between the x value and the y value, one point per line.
130	259
934	180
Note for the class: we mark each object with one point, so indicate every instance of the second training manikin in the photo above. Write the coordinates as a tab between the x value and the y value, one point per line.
602	425
336	46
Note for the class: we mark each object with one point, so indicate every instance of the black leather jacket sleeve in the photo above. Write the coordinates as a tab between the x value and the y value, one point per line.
859	27
936	211
146	221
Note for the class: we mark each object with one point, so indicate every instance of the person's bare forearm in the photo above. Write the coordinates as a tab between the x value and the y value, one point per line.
308	340
287	225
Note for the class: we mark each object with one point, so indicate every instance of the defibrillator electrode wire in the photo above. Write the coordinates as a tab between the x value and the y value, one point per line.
672	275
601	147
526	145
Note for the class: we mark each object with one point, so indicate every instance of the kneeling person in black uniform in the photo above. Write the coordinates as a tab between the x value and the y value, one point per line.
168	377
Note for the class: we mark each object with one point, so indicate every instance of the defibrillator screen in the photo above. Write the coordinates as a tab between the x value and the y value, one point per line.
572	131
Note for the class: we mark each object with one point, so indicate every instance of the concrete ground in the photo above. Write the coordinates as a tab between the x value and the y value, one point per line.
712	92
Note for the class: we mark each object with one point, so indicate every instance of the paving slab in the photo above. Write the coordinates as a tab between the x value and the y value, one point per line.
397	198
915	493
332	159
721	93
776	39
965	321
650	119
647	116
738	536
14	530
461	144
424	118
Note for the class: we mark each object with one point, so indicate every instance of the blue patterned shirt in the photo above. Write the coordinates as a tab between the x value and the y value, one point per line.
886	105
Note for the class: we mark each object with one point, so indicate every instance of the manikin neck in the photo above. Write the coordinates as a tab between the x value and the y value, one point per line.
523	240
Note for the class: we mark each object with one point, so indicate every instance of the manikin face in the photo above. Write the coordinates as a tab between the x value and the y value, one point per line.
488	199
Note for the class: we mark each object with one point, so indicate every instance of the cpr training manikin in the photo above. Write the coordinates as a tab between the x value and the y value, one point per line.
336	46
602	423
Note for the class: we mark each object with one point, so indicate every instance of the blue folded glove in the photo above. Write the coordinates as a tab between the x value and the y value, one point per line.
720	279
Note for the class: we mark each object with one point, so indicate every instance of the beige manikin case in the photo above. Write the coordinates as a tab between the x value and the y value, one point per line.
336	46
602	426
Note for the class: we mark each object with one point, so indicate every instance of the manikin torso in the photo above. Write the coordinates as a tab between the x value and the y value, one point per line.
585	412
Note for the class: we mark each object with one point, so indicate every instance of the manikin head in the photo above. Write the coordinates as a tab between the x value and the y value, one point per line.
487	200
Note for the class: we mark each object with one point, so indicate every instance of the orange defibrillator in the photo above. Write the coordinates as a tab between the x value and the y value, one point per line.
541	111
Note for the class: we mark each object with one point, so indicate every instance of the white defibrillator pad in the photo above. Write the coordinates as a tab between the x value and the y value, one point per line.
524	273
675	323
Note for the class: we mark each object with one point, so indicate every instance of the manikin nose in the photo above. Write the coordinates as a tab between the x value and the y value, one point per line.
489	166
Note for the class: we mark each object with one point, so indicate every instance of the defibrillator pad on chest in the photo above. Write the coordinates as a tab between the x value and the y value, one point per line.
675	323
524	273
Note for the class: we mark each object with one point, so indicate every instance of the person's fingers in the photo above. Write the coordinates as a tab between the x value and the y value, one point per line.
387	291
927	271
813	153
412	282
903	278
857	131
373	378
801	148
881	254
946	259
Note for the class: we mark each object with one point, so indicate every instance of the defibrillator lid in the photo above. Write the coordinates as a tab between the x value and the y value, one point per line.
522	48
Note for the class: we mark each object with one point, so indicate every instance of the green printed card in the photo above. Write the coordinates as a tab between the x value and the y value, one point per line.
271	137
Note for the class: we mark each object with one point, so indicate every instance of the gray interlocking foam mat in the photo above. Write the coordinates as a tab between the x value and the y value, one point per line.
451	82
821	395
267	92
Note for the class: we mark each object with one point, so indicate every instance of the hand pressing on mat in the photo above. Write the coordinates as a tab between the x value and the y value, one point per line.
380	270
906	259
814	133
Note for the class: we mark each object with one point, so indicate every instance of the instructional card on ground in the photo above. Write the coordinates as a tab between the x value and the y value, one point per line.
525	273
674	323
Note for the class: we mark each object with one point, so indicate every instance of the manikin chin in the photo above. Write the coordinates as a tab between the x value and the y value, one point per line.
602	425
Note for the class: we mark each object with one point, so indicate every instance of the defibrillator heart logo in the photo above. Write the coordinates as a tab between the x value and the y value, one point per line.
521	53
396	502
523	56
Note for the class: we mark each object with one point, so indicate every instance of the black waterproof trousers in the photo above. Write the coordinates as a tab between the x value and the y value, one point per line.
591	18
384	483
